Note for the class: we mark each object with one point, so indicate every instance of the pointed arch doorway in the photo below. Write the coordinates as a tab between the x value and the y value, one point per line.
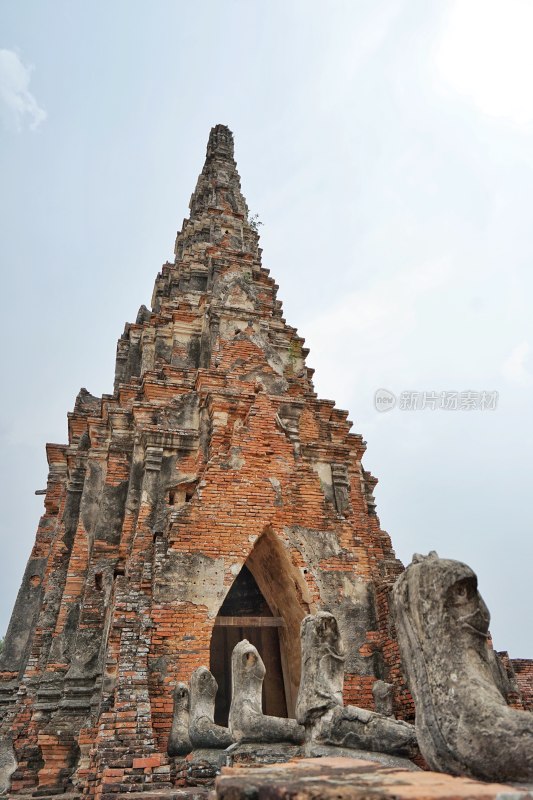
265	605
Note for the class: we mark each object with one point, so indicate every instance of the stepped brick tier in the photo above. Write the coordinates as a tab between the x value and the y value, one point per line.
212	497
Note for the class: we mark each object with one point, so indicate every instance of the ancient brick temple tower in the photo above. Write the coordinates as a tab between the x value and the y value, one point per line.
212	496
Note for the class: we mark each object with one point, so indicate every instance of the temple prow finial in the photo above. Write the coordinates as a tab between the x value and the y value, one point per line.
220	142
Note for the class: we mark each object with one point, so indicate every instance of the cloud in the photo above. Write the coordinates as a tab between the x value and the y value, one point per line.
18	106
515	366
485	54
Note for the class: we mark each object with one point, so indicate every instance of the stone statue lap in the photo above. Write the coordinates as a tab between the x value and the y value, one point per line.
247	722
320	698
463	724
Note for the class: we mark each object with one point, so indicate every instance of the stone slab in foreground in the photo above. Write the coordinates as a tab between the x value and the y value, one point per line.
356	779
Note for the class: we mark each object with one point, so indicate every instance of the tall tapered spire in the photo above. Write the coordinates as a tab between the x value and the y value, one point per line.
219	186
220	144
219	219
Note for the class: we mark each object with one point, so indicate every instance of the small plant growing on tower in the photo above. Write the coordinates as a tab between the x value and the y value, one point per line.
254	222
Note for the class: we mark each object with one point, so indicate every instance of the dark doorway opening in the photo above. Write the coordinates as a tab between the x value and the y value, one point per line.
245	614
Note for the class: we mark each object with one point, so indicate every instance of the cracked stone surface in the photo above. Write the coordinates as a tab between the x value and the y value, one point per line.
353	779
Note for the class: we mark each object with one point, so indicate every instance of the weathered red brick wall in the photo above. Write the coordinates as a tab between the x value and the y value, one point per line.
523	670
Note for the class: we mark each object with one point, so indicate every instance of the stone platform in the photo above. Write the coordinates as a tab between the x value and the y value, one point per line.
353	779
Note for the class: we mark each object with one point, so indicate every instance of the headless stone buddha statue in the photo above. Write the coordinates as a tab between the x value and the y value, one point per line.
320	698
463	723
383	694
203	731
247	722
179	743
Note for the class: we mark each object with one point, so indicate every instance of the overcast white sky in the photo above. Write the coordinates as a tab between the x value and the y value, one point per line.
386	146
